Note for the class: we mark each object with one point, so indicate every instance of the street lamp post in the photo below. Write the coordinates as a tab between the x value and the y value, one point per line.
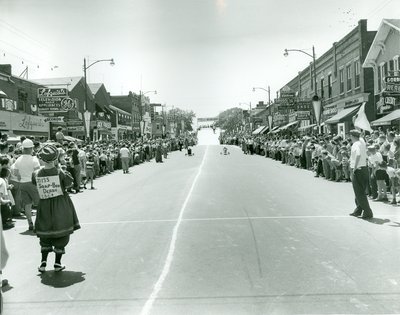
85	67
250	120
316	101
268	90
141	110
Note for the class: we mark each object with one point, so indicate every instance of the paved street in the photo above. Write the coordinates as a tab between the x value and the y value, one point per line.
254	237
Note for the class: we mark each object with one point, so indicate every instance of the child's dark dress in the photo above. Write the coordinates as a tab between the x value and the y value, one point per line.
56	217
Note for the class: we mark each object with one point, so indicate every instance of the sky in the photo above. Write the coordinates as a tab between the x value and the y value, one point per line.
200	55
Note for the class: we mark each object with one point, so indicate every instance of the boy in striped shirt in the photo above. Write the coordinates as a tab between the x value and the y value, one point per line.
90	169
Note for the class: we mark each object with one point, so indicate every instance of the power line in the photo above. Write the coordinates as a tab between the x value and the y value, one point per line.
20	33
379	7
21	50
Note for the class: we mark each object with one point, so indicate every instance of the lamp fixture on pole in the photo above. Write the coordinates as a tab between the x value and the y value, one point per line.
316	101
268	90
85	67
142	122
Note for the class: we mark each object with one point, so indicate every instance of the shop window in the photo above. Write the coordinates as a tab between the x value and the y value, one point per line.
357	74
348	77
22	101
379	79
329	85
341	81
322	88
396	65
383	70
391	67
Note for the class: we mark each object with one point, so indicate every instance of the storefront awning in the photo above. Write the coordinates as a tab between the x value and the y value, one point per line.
288	125
387	120
274	130
3	94
306	127
264	130
260	130
72	139
339	117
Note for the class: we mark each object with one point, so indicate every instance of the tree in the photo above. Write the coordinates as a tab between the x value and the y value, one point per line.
230	119
176	115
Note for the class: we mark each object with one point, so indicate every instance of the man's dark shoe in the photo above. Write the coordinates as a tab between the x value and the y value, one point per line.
355	213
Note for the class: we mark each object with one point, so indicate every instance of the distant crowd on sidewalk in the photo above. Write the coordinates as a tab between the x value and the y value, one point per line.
328	156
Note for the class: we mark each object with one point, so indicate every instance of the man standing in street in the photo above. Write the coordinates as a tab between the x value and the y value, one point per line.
24	166
359	171
124	153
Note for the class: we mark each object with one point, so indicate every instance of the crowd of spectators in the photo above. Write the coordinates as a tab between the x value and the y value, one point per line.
328	156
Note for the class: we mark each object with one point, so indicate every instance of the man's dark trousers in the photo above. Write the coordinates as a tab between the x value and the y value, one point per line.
360	182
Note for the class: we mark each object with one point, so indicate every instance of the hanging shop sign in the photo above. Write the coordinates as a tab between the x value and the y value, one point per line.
303	115
385	104
103	125
392	80
302	105
392	88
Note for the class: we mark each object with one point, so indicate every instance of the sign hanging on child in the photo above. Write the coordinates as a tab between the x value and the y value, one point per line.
49	186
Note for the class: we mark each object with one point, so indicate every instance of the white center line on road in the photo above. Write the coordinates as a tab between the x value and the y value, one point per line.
168	261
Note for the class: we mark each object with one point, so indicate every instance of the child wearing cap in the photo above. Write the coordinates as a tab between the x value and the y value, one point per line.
56	217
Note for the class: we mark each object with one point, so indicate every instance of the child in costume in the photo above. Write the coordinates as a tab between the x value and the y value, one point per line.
56	218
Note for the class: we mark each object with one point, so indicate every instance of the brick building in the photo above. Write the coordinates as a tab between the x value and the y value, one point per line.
101	124
383	58
342	84
129	104
78	120
18	106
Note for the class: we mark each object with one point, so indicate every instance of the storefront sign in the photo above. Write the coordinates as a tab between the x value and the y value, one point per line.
392	79
286	94
54	119
52	92
49	105
23	122
49	186
74	122
103	125
385	104
5	121
303	115
292	117
353	102
392	88
302	105
76	128
329	112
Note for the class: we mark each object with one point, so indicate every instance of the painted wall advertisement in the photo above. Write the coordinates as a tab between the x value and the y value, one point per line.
23	122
